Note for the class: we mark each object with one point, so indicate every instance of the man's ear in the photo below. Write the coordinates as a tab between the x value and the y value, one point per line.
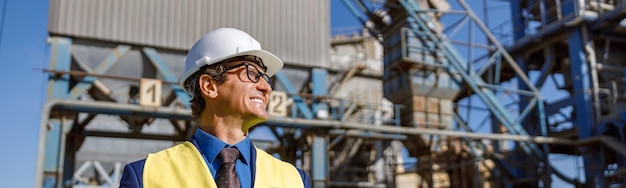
207	86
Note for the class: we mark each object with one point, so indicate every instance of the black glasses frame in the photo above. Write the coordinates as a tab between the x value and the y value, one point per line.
255	75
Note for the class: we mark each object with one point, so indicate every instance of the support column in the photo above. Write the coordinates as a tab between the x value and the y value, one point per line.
528	123
319	77
72	144
319	164
583	110
517	19
51	137
319	167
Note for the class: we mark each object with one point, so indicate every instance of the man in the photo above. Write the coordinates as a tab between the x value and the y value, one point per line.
228	76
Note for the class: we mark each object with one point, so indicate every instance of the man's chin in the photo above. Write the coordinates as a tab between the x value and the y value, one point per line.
261	117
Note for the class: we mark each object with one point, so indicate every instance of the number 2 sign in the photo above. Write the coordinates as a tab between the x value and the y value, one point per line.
278	104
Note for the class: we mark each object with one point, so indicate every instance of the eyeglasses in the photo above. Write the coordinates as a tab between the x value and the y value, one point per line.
253	73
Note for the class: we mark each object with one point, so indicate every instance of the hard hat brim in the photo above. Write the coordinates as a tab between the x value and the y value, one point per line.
272	62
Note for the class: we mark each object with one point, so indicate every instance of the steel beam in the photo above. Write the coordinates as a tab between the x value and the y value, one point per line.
366	134
319	166
104	66
52	154
517	19
584	121
299	103
110	134
118	109
70	148
319	78
168	74
319	163
546	68
51	136
60	58
355	11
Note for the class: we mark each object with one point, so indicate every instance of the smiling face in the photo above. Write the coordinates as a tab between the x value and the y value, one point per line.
244	94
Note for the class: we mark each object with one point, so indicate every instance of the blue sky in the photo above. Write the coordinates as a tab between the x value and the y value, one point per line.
22	49
23	52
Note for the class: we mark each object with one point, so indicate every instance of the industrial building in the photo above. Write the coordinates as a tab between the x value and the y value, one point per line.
423	95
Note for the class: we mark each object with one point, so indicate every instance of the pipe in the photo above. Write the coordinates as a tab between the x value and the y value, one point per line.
81	73
45	112
606	140
368	135
591	56
414	130
135	135
604	67
119	109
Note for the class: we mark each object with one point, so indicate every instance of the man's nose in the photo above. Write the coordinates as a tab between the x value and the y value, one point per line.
263	86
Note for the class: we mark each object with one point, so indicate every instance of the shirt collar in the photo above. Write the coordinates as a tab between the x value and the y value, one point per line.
210	146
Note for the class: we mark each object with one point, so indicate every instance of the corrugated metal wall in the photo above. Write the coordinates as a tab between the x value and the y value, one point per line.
296	31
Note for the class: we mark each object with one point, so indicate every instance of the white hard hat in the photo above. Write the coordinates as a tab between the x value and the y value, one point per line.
223	43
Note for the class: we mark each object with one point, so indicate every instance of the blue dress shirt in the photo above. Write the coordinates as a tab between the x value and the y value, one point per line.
210	146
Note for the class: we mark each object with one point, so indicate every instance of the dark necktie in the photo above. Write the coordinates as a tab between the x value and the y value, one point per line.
226	177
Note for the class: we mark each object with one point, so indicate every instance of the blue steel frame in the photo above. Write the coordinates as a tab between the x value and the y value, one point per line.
299	102
580	70
169	76
418	22
54	147
476	83
108	62
582	101
57	167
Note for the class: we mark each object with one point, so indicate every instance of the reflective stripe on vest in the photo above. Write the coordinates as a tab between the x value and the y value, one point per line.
183	166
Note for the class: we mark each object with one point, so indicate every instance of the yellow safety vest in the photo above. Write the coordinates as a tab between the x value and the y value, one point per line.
183	166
